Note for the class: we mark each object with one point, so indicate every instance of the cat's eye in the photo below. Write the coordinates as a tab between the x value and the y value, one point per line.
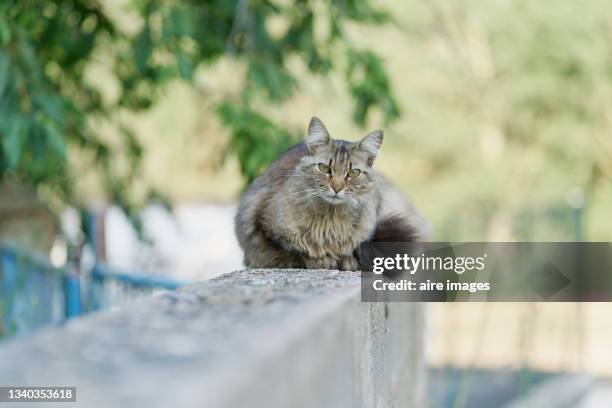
324	168
353	173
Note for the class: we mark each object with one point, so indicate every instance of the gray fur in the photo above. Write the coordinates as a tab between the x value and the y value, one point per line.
296	216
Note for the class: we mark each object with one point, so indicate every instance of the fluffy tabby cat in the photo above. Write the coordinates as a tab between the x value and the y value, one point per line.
318	202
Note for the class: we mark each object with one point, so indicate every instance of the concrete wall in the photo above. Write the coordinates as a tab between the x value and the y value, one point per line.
261	338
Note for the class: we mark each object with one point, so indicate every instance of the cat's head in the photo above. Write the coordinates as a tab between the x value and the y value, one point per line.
337	171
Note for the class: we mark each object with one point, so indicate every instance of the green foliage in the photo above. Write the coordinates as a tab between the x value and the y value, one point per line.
45	103
369	86
255	139
49	107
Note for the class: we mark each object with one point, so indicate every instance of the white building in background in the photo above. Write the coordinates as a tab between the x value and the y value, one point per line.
197	242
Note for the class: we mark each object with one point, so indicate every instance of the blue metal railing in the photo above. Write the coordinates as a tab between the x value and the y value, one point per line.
34	293
105	272
110	286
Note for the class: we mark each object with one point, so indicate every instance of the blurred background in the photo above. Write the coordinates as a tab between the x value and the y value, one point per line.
129	128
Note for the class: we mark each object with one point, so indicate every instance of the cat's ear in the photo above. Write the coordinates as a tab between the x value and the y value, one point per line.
317	135
371	144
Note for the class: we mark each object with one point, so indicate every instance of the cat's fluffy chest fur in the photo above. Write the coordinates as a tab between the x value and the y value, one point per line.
317	203
321	229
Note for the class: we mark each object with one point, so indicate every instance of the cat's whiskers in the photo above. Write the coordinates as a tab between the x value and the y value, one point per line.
309	195
357	205
304	190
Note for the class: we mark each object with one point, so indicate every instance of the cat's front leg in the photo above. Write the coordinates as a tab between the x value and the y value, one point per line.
348	263
324	262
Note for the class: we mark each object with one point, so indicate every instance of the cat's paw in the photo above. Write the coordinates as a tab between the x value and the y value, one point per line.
348	263
321	263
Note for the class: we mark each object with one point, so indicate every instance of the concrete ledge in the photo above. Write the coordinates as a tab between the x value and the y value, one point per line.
258	338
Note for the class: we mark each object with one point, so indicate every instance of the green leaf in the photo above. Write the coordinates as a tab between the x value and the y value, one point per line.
5	32
52	105
143	48
14	140
4	71
184	66
181	21
55	140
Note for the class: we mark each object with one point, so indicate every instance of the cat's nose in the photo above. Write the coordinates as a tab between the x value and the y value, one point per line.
337	187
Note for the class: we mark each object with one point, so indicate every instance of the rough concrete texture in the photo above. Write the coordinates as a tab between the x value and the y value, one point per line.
257	338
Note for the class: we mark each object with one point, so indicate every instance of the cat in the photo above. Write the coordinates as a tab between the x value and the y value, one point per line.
318	202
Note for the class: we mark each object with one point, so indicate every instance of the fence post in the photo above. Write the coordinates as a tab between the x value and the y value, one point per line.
8	275
72	284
